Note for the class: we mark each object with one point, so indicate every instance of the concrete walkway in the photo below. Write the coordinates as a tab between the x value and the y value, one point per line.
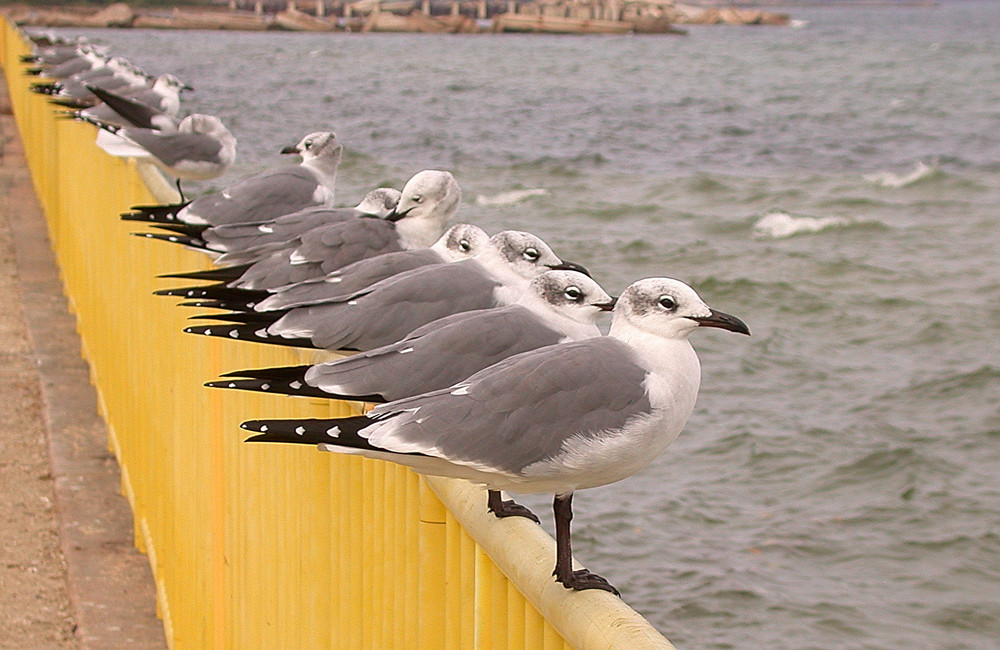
69	573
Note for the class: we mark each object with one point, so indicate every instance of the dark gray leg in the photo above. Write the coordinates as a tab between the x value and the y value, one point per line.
564	573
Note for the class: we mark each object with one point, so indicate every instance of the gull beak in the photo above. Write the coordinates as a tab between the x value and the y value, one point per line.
187	87
724	321
607	306
396	216
569	266
292	148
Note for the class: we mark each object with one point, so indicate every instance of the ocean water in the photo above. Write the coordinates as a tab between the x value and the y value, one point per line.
836	185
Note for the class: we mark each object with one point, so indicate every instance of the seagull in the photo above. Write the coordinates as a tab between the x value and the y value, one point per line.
560	306
459	242
555	420
150	108
264	196
264	236
392	308
427	202
117	74
200	149
62	62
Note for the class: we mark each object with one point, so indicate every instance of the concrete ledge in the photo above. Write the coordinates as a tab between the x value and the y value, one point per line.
110	583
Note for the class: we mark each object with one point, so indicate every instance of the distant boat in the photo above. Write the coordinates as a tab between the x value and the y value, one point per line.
509	22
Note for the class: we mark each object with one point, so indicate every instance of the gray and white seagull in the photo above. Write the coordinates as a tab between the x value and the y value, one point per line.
427	202
200	149
460	242
264	196
392	308
561	306
555	420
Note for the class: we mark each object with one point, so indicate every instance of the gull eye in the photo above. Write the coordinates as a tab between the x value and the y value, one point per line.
573	293
417	198
667	302
308	144
531	254
464	245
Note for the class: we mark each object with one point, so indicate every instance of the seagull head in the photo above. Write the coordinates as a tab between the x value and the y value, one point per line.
571	294
670	309
428	201
171	83
521	252
461	241
380	202
317	145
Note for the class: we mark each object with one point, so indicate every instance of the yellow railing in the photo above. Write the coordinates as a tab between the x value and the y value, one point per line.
272	546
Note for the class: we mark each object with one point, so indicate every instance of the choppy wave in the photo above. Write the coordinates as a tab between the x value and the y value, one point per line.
513	197
777	225
897	181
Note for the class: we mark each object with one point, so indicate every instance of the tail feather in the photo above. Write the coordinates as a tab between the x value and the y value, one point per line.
287	380
218	291
227	304
282	372
258	318
341	431
254	333
183	240
154	213
277	386
181	228
46	88
70	102
221	274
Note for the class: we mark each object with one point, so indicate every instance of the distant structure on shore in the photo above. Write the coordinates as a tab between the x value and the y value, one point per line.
455	16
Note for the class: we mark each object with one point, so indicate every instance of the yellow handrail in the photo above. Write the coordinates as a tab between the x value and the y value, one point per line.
271	546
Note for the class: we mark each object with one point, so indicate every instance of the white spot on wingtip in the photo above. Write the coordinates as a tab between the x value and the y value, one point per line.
300	430
208	332
295	385
234	333
352	302
406	351
265	386
263	428
232	384
333	432
265	229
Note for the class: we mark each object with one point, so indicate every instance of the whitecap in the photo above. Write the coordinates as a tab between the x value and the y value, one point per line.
510	198
896	181
778	225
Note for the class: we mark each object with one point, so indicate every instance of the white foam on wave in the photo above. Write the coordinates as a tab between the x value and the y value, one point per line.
896	181
777	225
510	198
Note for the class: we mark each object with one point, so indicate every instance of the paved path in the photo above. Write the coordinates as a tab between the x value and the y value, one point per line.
70	576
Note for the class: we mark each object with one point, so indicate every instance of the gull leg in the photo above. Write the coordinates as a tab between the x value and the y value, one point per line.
564	573
180	191
508	508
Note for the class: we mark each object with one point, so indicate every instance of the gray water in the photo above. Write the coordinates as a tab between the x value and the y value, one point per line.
837	186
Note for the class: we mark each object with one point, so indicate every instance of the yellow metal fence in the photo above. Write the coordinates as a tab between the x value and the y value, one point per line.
273	546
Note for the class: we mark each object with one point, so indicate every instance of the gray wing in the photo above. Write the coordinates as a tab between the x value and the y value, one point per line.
393	308
248	238
521	410
336	245
263	197
437	355
350	279
173	148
